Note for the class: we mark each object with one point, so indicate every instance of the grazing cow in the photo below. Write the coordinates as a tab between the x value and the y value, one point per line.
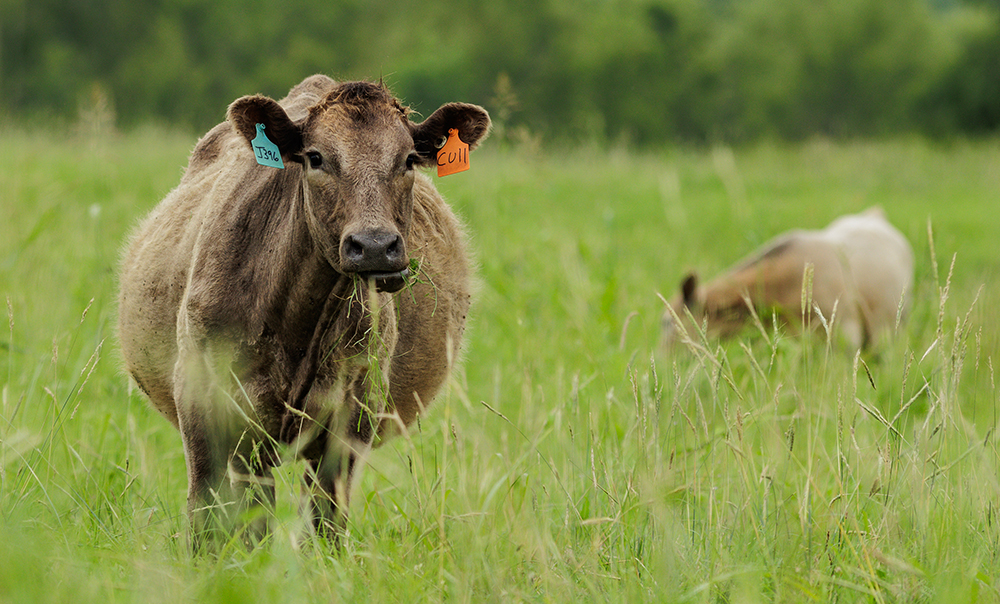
306	311
862	268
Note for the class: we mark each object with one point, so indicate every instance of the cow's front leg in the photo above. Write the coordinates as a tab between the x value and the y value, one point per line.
230	486
328	488
329	479
252	487
210	500
229	461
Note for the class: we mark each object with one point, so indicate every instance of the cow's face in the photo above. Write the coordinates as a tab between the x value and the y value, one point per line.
719	312
357	151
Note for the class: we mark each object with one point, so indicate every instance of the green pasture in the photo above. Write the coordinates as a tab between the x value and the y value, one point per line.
568	460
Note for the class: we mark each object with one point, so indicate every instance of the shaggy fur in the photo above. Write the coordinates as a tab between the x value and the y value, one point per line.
263	307
861	265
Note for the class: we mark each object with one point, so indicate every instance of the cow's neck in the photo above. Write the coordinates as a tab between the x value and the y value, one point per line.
297	301
278	277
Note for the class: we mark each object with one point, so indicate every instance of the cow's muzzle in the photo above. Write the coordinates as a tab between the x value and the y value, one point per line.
376	255
387	282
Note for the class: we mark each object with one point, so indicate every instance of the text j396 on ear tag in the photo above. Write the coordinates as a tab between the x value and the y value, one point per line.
265	152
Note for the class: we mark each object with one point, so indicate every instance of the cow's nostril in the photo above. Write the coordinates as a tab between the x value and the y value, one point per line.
353	249
393	251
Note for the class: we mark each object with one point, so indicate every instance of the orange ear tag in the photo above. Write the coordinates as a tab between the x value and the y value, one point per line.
454	156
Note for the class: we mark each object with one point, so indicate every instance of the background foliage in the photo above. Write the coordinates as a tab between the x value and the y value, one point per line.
643	71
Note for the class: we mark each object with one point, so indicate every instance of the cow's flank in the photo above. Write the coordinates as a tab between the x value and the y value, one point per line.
306	311
861	271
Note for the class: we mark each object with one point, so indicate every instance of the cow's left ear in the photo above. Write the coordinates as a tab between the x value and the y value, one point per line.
689	289
471	121
248	111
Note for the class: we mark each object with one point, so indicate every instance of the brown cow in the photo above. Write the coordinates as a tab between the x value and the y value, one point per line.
304	311
862	275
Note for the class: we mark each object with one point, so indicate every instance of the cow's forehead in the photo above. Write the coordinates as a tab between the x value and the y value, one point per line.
359	104
369	118
372	143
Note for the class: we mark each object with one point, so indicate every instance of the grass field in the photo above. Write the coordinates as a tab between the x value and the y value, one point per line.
568	461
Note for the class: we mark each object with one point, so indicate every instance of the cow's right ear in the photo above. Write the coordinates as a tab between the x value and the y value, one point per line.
689	287
248	111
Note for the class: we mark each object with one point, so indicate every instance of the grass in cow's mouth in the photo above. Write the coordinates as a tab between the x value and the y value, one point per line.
771	469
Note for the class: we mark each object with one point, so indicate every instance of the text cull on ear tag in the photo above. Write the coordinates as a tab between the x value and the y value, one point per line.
266	152
454	156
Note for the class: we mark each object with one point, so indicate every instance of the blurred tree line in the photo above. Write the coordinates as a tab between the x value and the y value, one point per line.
645	71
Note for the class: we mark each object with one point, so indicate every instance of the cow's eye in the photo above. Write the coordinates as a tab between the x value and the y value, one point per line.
315	159
411	160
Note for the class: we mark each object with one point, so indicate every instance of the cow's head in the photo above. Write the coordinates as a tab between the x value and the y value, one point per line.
687	304
357	150
721	308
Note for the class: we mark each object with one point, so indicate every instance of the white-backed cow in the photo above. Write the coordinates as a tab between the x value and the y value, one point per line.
861	266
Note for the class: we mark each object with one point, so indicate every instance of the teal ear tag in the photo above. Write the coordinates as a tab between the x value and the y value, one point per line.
265	151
